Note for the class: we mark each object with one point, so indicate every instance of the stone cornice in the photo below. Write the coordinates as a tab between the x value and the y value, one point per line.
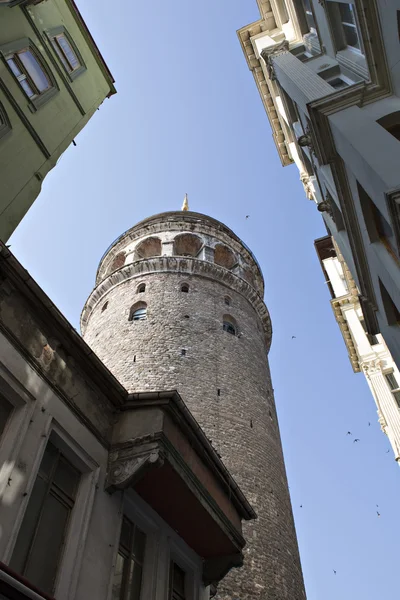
180	222
254	63
337	304
184	265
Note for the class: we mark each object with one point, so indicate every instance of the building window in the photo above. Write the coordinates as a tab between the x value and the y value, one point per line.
41	538
391	310
227	300
6	410
377	226
373	340
394	387
308	11
184	288
348	19
30	71
141	288
129	565
229	325
138	312
344	21
67	52
4	122
177	581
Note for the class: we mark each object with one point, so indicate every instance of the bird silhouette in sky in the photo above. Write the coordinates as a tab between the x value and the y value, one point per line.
293	337
334	571
349	433
387	451
369	424
356	440
301	506
247	216
378	513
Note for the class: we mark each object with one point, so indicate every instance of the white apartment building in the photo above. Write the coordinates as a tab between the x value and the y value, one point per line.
367	353
328	73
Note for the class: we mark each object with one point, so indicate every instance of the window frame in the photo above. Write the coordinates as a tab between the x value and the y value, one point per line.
52	35
5	125
337	27
135	308
127	554
395	391
12	49
65	499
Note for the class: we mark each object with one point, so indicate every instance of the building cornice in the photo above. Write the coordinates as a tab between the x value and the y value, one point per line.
182	265
254	63
337	306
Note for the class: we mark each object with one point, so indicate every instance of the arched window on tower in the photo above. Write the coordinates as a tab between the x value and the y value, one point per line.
141	288
185	288
138	312
229	325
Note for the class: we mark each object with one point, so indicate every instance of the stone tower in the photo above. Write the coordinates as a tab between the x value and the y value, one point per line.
178	304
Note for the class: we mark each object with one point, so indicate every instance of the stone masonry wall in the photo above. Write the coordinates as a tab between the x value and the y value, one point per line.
225	381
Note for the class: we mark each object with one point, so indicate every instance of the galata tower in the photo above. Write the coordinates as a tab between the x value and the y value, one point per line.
178	305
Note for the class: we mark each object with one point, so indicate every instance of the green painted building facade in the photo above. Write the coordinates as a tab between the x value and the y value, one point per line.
52	79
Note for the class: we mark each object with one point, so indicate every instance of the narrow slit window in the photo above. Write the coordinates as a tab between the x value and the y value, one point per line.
66	53
185	288
141	288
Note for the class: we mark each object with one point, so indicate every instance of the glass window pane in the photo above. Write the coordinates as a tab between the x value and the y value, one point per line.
47	548
66	477
139	314
14	67
139	545
27	88
61	55
5	407
126	534
397	398
34	70
135	581
27	529
350	33
117	583
49	460
69	53
178	579
347	13
391	381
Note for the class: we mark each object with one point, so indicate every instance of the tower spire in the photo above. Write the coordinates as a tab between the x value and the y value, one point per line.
185	205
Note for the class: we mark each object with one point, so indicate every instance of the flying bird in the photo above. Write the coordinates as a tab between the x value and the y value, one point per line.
247	216
293	337
301	506
334	571
379	514
349	433
369	424
387	451
356	440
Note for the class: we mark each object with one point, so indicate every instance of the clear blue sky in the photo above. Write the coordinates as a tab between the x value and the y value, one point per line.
188	118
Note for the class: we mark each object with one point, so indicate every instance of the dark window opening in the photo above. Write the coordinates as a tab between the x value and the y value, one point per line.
373	340
391	310
127	582
38	550
227	301
29	73
105	305
377	226
185	288
141	288
309	15
394	387
177	583
229	327
67	52
183	352
218	392
6	410
349	23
